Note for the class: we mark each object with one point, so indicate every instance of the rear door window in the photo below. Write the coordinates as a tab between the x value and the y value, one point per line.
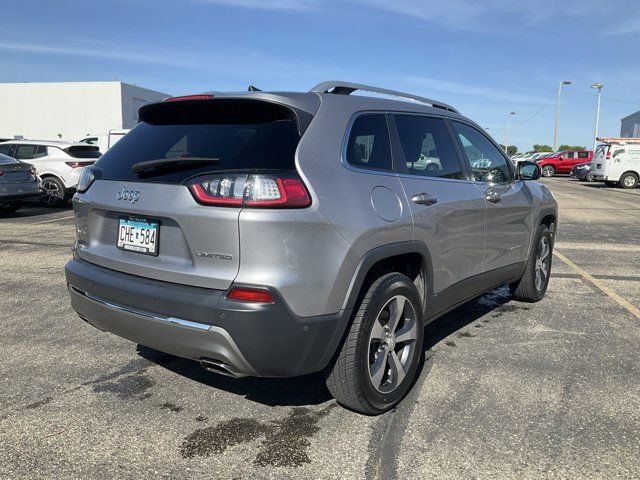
427	147
368	145
583	154
26	152
245	135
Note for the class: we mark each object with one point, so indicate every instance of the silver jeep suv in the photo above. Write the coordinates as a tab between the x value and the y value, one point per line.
279	234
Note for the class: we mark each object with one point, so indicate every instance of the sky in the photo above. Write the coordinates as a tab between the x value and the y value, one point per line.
485	57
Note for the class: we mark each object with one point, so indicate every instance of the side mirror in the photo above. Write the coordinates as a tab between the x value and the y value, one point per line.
528	171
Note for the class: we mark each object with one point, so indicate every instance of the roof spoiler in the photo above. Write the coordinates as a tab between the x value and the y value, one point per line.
346	88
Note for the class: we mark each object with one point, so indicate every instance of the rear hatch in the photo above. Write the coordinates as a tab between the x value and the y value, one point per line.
14	171
601	156
179	179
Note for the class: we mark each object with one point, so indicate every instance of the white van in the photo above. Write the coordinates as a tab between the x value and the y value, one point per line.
104	141
616	161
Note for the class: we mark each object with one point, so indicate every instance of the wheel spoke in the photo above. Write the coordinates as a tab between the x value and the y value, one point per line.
407	333
397	370
378	368
377	333
396	311
543	270
545	251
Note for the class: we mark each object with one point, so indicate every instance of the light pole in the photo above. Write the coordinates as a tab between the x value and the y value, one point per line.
598	86
555	131
506	134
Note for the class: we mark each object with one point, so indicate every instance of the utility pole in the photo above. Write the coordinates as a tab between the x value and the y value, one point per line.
598	86
506	134
555	130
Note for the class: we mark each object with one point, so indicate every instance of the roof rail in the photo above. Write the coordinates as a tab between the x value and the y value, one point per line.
346	88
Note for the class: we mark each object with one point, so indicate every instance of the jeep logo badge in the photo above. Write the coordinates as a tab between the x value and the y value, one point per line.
131	195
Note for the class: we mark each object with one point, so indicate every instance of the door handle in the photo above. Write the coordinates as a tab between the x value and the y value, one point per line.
424	199
493	196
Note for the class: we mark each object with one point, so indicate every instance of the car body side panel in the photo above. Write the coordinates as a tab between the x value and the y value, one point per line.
453	228
508	225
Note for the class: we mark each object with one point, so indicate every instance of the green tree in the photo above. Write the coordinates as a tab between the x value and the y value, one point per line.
542	148
571	148
512	150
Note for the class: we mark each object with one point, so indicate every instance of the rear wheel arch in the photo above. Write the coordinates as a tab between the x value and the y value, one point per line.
412	259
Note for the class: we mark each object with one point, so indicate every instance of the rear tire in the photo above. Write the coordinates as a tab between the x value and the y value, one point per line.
535	280
54	192
548	171
377	363
628	180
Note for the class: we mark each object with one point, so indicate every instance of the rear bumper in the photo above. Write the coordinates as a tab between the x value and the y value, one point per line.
599	177
198	323
20	191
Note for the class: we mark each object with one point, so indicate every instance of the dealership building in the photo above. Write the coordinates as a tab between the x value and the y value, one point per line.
630	126
69	110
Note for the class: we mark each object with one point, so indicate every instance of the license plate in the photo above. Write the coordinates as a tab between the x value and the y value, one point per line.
138	235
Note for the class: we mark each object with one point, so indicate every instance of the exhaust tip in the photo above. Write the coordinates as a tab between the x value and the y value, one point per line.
216	366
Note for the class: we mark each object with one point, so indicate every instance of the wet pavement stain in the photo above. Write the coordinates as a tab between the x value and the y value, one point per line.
450	343
126	387
465	335
216	439
286	442
38	404
201	418
507	308
172	407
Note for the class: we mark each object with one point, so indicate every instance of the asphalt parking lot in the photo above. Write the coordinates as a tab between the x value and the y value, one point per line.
508	390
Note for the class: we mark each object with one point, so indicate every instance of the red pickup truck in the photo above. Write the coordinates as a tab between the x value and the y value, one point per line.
563	162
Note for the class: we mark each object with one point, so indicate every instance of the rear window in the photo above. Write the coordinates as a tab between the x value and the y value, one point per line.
236	135
6	159
601	150
83	152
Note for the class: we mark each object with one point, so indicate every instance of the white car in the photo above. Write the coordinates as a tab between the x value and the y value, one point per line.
59	164
104	141
616	162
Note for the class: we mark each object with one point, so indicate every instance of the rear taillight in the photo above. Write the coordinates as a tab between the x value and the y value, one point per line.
608	156
79	164
251	190
87	177
1	173
244	294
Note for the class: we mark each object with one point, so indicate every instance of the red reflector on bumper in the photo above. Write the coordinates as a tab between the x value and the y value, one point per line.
242	294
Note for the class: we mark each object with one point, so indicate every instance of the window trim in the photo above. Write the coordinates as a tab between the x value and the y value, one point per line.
398	151
345	145
458	143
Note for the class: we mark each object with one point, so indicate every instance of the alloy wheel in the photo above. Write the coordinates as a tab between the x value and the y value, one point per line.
547	171
392	344
52	192
542	263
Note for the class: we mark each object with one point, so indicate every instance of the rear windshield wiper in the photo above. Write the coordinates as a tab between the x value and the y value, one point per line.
173	162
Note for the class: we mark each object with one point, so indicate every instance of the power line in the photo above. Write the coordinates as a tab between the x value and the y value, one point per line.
539	111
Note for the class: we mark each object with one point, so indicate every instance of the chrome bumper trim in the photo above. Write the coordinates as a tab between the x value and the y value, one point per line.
171	320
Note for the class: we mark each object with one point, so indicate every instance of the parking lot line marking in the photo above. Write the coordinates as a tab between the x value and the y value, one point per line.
53	220
599	285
